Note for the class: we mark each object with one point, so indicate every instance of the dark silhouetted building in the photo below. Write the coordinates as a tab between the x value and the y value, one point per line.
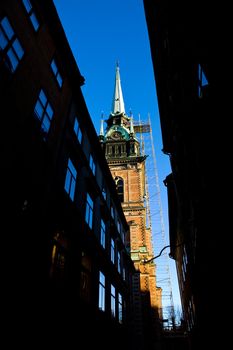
66	273
180	35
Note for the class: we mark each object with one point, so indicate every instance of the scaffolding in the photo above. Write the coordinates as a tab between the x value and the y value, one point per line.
155	219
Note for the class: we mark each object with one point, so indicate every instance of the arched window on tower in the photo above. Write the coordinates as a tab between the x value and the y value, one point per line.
120	187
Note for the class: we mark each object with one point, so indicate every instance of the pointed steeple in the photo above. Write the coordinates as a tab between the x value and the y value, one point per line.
102	126
118	106
101	134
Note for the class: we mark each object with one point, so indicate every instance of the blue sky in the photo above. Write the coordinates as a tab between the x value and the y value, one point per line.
100	33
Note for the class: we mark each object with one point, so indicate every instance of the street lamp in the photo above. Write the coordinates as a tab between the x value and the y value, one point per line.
145	261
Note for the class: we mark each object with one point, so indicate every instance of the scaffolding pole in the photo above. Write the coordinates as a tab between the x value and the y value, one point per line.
155	218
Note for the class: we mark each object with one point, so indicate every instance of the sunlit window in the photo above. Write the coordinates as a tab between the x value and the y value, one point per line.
11	51
70	181
120	188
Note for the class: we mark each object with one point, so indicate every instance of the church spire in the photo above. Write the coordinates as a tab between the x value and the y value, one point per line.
118	106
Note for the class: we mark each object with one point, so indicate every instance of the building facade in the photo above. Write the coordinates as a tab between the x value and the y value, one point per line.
188	96
127	165
66	270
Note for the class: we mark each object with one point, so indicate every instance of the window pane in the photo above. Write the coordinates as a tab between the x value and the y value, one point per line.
59	80
43	98
91	219
3	40
39	109
7	27
72	189
27	5
18	48
79	136
34	21
72	168
54	67
67	181
46	123
90	201
49	111
101	298
102	279
13	59
76	126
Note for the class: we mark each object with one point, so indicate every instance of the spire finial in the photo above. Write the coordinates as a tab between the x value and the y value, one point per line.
102	124
118	106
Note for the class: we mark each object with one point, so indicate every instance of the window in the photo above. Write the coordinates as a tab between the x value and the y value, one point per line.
113	301
132	150
119	262
191	316
43	111
92	164
202	81
112	250
70	181
31	13
11	51
119	226
77	130
120	188
58	257
56	73
102	233
135	256
123	274
123	235
89	211
85	277
58	262
112	212
101	291
104	194
120	308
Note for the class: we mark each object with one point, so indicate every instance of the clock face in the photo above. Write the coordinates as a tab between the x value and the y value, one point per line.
116	135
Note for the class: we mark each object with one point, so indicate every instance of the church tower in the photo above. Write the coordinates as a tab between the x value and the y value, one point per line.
127	165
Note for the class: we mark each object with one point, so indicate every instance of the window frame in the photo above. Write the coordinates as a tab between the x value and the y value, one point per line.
43	104
56	72
89	211
11	48
102	292
77	130
32	15
70	179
